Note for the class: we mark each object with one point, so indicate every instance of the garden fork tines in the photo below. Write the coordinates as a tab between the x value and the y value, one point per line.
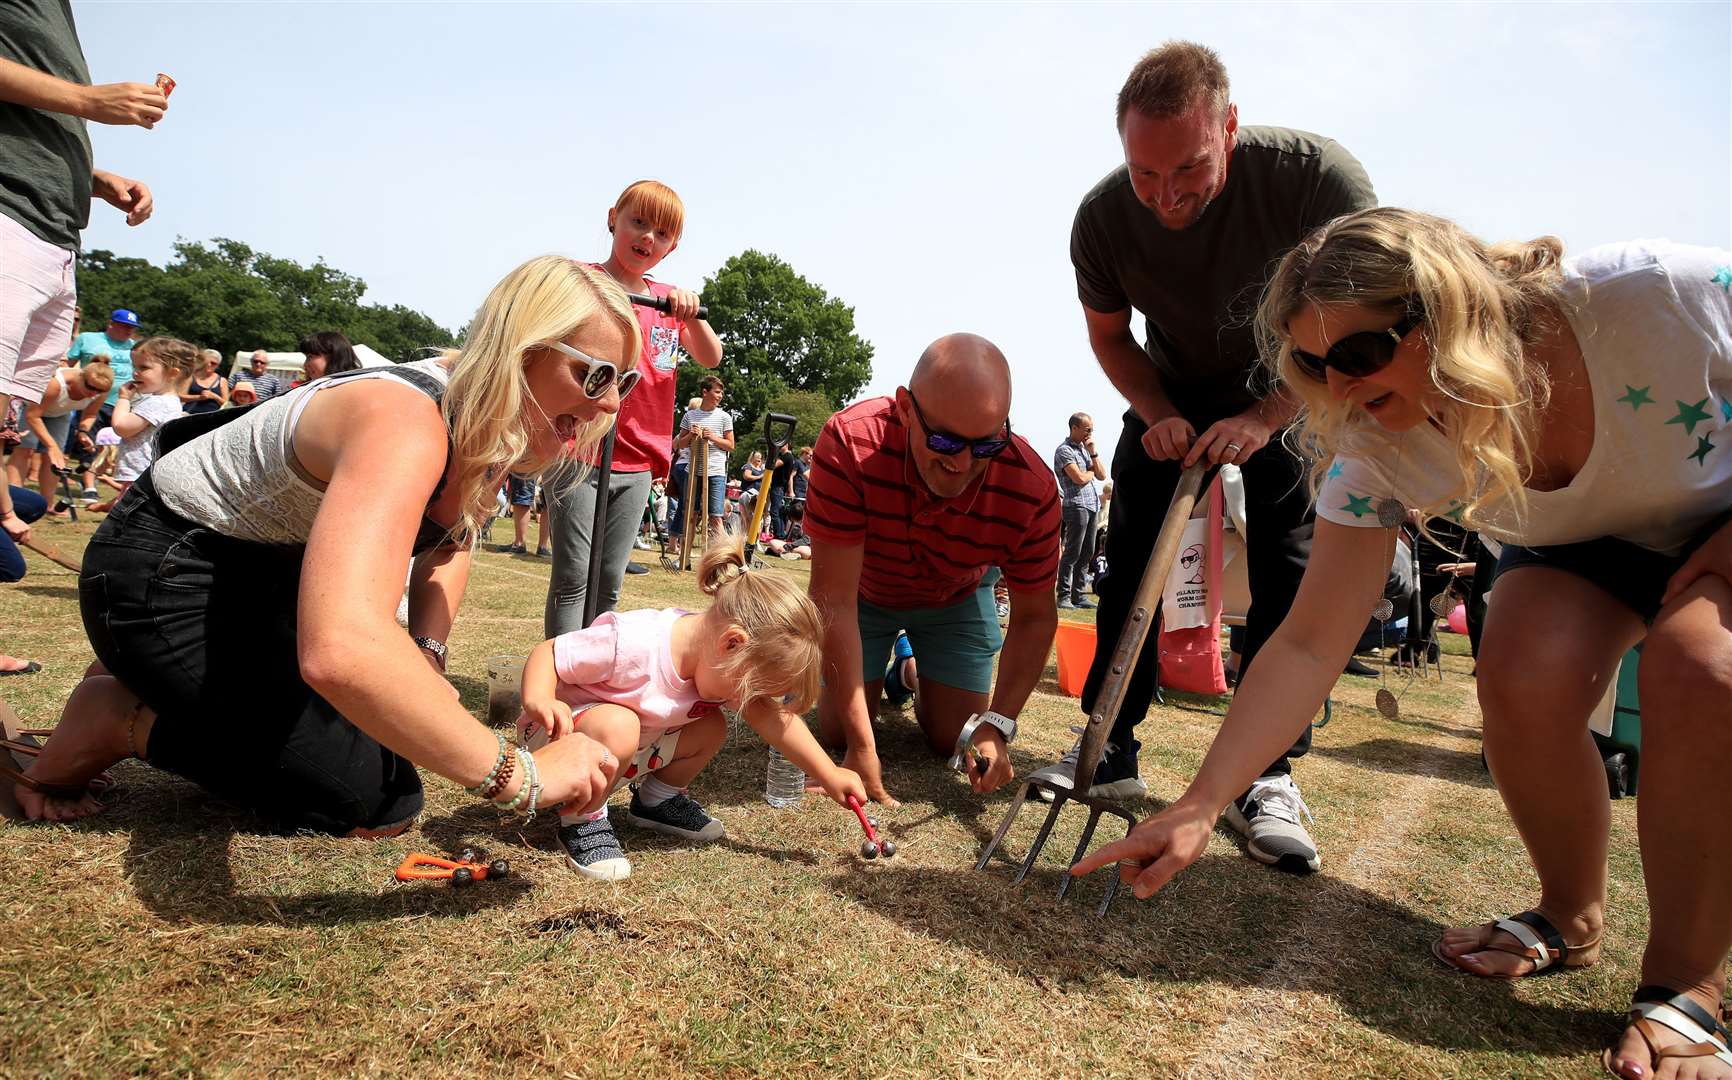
1108	701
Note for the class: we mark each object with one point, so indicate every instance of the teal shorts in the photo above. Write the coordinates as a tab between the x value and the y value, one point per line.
954	645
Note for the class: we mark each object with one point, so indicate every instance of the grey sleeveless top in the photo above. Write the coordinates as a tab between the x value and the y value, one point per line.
242	479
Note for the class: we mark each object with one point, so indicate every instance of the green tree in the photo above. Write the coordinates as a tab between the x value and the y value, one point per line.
809	409
779	333
226	296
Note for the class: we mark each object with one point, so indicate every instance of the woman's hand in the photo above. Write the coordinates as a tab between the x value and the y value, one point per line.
550	715
576	771
1714	558
1156	849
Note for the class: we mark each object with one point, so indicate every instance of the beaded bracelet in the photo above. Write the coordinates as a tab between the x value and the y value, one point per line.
502	782
523	789
498	763
534	782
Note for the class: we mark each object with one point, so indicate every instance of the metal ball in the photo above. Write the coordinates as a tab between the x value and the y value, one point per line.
462	876
868	850
889	848
872	821
468	855
498	868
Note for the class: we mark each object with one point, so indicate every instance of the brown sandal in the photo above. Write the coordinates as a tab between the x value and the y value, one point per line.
1661	1006
19	747
1542	944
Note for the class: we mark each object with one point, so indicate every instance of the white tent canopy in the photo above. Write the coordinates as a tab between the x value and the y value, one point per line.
287	365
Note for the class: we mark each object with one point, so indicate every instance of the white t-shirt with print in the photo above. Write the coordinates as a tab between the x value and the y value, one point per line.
1654	321
138	451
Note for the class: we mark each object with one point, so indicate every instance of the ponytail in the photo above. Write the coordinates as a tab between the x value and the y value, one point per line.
783	629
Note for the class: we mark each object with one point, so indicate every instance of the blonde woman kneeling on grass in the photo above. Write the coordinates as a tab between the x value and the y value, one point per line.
1576	409
241	596
651	686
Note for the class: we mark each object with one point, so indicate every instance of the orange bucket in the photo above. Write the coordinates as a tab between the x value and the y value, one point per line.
1076	652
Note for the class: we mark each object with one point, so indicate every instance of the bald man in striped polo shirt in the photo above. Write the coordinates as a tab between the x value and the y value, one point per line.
917	503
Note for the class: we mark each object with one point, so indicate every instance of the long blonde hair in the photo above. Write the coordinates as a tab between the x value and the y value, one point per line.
783	628
1482	306
545	299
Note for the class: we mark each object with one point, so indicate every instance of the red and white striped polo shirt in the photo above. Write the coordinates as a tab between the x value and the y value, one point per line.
923	551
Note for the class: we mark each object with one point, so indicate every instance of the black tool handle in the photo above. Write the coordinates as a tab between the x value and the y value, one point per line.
660	303
778	443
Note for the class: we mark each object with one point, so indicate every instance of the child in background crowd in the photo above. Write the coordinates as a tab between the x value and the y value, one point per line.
161	368
650	685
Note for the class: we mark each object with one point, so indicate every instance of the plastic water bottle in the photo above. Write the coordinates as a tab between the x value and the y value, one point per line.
784	783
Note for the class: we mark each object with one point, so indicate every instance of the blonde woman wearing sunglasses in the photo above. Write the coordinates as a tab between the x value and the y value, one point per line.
1580	410
240	598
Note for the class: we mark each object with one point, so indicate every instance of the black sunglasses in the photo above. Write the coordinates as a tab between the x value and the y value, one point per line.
943	442
1361	354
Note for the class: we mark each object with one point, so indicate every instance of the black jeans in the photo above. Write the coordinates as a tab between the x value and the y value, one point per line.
1278	523
1079	551
202	628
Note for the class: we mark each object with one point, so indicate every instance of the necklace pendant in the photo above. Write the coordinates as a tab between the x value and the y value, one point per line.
1387	704
1383	610
1391	512
1444	603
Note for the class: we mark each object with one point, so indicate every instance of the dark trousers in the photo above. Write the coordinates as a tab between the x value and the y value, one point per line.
1078	526
1278	524
778	522
29	506
203	629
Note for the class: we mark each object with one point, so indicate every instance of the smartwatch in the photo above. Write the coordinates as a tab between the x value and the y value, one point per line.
965	738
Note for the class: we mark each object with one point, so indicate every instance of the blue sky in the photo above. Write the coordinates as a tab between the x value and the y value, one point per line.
922	162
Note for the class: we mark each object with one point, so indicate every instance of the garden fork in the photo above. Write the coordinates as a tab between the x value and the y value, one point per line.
1107	702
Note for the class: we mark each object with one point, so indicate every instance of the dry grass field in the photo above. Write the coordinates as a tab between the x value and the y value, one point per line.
173	935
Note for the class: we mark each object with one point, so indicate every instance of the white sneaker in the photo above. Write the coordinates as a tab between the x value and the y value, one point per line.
1115	777
643	545
1268	817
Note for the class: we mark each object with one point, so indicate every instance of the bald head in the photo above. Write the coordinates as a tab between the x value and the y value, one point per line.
970	376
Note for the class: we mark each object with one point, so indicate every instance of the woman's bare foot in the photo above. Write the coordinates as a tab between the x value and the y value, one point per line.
1633	1058
95	731
1481	950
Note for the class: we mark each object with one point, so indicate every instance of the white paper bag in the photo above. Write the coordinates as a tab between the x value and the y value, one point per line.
1185	601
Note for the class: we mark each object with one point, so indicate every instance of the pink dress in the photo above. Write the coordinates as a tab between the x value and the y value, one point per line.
625	658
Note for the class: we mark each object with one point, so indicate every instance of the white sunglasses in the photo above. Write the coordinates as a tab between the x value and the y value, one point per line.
601	374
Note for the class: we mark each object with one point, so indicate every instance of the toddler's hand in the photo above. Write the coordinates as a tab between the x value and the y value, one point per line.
842	783
552	716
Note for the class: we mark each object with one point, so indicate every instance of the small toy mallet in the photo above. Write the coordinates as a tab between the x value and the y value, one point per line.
871	847
419	866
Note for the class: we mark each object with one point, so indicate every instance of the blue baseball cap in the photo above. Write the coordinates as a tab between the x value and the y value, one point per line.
123	317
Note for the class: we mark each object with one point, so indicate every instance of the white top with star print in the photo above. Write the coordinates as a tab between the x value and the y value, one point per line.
1654	320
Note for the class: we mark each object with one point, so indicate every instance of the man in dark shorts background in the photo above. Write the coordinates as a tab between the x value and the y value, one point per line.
1186	232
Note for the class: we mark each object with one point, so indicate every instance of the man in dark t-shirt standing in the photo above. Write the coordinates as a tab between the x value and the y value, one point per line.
1186	232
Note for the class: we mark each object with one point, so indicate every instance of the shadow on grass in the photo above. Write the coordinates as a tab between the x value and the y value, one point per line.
178	861
1227	921
56	592
1400	757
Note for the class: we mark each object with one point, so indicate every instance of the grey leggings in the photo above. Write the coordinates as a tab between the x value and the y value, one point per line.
570	517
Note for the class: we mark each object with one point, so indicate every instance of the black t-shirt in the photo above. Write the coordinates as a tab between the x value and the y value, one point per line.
1198	288
44	156
785	464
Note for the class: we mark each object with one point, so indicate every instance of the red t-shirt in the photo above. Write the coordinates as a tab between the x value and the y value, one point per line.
923	551
644	439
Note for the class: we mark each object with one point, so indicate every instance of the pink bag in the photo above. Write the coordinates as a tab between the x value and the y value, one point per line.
1190	657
